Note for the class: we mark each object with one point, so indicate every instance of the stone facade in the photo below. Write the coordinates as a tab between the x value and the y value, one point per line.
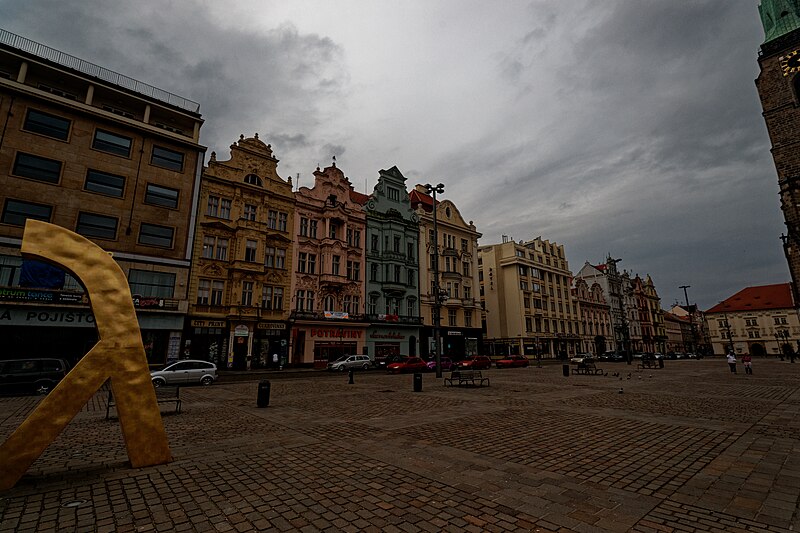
113	164
243	261
595	317
328	298
392	273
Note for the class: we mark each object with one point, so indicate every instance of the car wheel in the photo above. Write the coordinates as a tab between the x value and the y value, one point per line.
341	368
365	366
158	383
207	380
44	387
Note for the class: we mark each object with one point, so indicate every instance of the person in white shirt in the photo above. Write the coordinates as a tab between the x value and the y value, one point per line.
732	362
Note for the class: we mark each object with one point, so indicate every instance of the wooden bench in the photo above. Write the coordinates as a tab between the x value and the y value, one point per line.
588	369
466	377
163	395
648	363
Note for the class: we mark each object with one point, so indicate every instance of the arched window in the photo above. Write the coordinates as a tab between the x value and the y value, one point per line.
329	303
252	179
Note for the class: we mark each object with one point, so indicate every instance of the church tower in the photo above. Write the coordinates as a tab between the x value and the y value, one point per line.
778	85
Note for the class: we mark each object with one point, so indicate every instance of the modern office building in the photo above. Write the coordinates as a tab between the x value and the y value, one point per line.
243	261
530	309
111	158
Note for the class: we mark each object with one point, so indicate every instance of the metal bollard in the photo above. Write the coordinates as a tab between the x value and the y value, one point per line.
661	363
263	393
417	382
565	370
350	377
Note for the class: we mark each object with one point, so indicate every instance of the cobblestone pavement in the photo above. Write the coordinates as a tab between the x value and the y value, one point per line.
691	447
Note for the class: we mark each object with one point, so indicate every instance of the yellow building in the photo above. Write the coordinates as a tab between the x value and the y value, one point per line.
111	158
460	308
530	309
242	261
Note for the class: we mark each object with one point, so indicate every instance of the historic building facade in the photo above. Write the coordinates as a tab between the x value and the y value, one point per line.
757	320
651	318
243	261
610	280
392	269
778	85
530	309
121	167
328	289
594	317
457	245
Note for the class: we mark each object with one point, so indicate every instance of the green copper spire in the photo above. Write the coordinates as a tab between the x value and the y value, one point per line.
779	17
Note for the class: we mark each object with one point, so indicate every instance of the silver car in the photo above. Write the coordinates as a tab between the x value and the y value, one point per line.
350	362
186	372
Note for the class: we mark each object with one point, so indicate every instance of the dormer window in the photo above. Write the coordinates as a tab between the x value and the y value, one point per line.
252	179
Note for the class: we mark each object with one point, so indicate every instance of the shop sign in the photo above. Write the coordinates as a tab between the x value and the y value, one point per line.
41	296
336	314
147	303
271	325
335	333
241	331
389	335
454	333
19	317
208	323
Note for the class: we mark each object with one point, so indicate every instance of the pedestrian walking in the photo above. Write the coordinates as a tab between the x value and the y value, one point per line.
732	362
748	364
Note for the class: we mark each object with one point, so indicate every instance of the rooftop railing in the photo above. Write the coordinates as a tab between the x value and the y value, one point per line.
45	52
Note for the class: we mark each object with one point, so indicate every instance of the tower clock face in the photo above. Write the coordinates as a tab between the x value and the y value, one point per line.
790	63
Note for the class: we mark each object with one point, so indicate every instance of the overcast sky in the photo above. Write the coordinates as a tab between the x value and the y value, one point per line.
631	127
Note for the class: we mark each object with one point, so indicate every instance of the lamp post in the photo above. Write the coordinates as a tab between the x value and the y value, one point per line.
728	327
691	318
782	335
437	304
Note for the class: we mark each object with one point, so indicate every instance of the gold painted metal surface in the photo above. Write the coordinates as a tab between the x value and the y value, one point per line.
118	355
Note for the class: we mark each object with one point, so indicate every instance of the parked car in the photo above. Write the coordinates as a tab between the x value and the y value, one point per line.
658	356
691	356
578	359
350	362
512	361
479	362
384	362
185	372
447	363
24	376
409	364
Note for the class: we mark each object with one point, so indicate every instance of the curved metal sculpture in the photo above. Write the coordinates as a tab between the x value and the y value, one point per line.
119	356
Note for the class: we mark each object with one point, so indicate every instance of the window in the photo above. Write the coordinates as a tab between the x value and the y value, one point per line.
374	243
397	244
16	212
468	319
332	230
269	257
393	194
225	208
153	235
203	291
272	219
432	261
10	269
250	250
397	274
312	263
465	266
217	290
164	157
357	238
249	212
252	179
410	251
411	307
151	284
37	168
304	226
335	265
266	297
247	293
283	219
208	247
411	275
312	229
161	196
212	209
104	183
47	124
467	293
280	258
329	303
222	249
305	301
105	141
302	262
464	245
751	322
272	298
91	225
372	304
373	272
451	317
523	285
353	270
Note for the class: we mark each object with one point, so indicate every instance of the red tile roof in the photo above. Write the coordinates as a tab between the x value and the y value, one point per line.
358	198
417	198
778	296
600	267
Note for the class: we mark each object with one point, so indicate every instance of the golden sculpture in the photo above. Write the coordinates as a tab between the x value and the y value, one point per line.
118	355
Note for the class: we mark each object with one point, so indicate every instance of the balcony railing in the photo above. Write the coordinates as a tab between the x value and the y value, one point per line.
56	56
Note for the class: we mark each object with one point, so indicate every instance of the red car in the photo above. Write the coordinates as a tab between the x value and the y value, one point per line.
479	362
409	364
512	361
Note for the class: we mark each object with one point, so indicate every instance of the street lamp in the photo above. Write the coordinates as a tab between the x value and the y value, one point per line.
783	335
437	304
728	327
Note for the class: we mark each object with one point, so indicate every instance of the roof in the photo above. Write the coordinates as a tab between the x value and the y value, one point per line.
417	197
600	267
762	297
357	197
